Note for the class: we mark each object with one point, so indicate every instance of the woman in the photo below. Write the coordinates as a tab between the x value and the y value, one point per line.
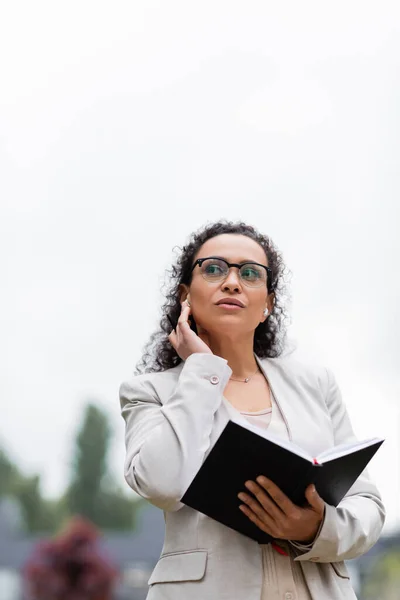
224	358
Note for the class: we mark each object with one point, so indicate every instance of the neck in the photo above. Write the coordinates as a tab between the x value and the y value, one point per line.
238	352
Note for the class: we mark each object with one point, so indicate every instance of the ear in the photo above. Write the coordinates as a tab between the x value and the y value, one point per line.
183	292
270	301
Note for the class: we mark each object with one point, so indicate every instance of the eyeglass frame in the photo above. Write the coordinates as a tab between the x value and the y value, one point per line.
200	261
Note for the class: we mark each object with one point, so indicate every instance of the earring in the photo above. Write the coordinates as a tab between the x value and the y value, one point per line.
266	312
187	301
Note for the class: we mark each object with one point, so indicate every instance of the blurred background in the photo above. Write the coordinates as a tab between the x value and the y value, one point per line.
124	126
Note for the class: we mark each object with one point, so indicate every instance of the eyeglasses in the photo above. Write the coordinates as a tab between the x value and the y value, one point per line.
251	274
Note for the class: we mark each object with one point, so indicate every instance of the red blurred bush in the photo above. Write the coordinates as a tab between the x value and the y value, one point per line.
70	567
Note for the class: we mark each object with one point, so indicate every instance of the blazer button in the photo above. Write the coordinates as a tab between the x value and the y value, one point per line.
214	379
288	596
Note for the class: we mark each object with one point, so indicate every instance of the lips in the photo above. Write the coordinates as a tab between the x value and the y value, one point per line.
231	301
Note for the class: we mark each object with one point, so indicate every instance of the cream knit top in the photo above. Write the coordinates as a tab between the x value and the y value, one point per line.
282	577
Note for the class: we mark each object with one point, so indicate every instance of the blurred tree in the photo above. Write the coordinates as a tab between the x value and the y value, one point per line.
89	464
27	491
116	511
8	474
383	580
38	513
92	493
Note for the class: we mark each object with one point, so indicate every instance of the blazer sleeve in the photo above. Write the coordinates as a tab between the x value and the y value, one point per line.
354	526
166	443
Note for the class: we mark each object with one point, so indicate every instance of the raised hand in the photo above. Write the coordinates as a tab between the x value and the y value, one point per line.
185	340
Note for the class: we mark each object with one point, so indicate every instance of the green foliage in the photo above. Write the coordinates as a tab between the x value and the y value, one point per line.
116	511
40	515
92	494
27	491
8	475
89	465
383	579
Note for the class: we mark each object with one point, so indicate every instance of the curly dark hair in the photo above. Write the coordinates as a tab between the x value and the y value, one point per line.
269	337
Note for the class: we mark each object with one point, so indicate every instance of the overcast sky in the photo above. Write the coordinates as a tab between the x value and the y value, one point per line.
126	125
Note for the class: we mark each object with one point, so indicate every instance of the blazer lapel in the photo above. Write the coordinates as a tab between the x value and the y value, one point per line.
225	413
278	388
302	417
306	418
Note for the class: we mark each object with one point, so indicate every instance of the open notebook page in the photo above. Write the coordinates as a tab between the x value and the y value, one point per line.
288	445
344	449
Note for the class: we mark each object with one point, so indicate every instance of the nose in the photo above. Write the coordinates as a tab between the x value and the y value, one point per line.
232	281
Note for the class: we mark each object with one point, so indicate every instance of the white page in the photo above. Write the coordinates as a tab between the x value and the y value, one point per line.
276	440
344	449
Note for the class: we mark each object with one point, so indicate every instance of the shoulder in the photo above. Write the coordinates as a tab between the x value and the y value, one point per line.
299	370
153	385
310	376
159	386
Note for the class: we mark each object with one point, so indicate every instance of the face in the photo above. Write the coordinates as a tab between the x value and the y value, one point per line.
206	296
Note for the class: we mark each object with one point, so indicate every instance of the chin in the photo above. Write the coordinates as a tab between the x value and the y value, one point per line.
227	325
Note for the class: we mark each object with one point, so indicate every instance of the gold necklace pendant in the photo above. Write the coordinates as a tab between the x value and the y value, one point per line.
247	379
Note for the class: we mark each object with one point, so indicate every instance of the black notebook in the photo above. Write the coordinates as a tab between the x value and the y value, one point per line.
244	452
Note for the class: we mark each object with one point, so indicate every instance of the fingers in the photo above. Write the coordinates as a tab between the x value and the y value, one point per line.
251	506
279	498
185	312
183	321
184	340
173	339
180	320
314	499
264	500
256	520
272	511
177	335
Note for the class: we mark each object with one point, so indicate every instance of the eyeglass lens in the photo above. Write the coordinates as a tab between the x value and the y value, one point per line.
214	269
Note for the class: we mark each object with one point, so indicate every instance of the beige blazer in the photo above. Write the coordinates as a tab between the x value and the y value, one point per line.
173	418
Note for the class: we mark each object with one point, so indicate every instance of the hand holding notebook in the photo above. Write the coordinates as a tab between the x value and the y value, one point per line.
275	514
244	452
